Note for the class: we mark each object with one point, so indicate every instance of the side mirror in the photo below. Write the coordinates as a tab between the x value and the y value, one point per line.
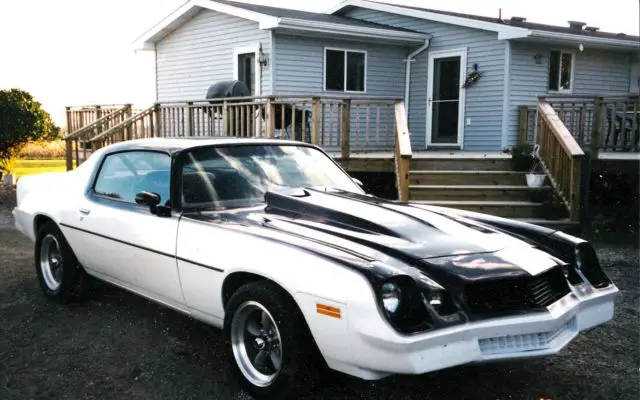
148	198
152	200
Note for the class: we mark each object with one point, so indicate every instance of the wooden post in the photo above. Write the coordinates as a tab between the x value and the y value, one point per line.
345	131
190	118
315	119
127	129
271	117
225	118
576	186
158	117
524	123
596	130
68	154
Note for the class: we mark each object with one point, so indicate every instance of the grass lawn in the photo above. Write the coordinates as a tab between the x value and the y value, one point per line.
34	166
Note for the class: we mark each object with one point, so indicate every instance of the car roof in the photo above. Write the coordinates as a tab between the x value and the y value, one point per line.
176	145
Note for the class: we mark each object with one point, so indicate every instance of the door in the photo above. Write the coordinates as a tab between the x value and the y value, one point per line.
122	241
445	99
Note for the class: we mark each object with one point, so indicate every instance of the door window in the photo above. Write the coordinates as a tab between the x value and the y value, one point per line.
246	70
446	100
122	175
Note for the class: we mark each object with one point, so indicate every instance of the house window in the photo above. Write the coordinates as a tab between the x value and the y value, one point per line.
561	71
345	70
246	70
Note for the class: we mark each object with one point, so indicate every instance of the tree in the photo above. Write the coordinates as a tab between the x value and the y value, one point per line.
22	120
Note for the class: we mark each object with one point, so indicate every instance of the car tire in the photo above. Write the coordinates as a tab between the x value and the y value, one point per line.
60	275
297	355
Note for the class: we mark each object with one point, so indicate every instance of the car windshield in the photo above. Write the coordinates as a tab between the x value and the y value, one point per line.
240	175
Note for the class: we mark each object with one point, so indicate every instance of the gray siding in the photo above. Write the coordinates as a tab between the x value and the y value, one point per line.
201	52
483	100
300	70
596	72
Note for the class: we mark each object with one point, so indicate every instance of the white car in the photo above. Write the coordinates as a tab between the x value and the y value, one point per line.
273	242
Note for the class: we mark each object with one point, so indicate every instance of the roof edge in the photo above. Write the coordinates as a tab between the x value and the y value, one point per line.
371	32
178	17
504	31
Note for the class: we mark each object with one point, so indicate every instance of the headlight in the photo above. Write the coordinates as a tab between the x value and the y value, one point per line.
391	297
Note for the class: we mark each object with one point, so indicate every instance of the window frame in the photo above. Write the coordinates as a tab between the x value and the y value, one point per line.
253	49
345	51
572	72
95	195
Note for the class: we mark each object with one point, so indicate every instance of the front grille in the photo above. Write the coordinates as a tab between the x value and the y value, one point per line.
517	294
527	342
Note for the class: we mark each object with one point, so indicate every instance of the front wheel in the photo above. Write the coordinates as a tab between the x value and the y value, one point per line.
60	275
271	345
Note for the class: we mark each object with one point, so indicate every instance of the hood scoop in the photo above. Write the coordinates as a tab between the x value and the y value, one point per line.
329	208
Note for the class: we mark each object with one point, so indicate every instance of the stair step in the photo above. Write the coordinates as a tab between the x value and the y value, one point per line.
497	177
508	209
476	192
461	164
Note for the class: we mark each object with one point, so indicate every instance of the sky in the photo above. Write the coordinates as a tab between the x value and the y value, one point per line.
76	52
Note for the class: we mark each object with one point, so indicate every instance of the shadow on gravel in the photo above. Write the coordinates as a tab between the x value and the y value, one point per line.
119	346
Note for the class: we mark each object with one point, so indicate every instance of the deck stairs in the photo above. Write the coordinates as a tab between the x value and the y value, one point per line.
483	183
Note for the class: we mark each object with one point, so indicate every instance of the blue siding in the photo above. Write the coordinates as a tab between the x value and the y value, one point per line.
483	100
596	72
299	70
201	52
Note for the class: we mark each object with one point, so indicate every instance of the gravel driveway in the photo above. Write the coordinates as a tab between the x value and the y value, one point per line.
118	346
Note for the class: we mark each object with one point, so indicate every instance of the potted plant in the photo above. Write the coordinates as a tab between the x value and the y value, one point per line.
521	157
7	166
535	176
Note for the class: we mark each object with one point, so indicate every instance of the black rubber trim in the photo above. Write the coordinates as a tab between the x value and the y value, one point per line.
142	248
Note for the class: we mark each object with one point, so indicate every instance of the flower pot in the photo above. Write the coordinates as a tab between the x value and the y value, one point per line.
535	180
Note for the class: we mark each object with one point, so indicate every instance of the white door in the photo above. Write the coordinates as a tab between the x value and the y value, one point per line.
445	98
124	242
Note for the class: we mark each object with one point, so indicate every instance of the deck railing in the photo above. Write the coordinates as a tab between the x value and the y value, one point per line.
335	123
102	119
597	123
561	158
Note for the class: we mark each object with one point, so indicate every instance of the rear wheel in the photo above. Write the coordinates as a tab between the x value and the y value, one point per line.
60	275
270	343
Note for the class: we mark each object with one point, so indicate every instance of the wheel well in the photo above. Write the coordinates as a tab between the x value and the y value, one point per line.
39	221
234	281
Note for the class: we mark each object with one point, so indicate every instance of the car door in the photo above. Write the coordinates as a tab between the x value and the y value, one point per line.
122	241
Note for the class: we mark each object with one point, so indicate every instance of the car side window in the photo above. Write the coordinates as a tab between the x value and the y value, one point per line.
122	175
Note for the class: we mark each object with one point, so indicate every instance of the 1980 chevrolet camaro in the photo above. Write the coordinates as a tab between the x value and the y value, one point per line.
276	244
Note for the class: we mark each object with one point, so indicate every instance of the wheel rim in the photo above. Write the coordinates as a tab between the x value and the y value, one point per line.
256	343
51	262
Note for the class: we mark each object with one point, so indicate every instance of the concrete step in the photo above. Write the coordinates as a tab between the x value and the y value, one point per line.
507	209
461	164
476	192
467	178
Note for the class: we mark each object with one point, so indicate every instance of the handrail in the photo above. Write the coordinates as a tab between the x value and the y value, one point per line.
561	158
127	122
403	152
96	123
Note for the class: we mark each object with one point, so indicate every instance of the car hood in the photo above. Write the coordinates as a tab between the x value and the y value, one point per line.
376	229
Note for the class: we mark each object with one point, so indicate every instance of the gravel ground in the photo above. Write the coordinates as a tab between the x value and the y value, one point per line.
119	346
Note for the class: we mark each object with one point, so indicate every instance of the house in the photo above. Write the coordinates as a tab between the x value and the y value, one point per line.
366	48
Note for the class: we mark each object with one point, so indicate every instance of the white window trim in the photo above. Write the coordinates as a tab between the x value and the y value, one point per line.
324	70
256	68
573	70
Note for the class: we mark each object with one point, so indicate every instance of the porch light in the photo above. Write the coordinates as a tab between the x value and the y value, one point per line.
262	58
538	58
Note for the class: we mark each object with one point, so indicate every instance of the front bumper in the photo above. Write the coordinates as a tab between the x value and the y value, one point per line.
376	352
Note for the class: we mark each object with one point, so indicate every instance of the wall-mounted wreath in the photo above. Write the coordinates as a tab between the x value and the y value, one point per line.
472	77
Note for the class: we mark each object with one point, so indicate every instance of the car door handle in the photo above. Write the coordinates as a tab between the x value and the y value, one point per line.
85	211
